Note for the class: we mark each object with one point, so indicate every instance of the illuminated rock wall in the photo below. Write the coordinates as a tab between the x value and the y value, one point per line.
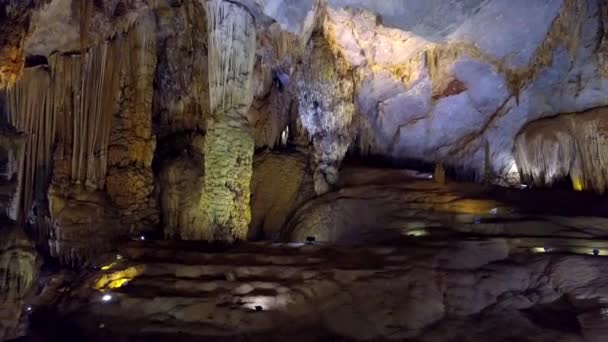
229	143
88	122
569	146
325	90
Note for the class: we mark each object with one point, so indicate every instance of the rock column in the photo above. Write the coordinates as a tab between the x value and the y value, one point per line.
229	145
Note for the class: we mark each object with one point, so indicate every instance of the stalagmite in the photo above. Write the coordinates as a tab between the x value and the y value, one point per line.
229	144
572	146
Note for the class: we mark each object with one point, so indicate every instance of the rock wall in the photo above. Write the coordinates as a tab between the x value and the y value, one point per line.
395	80
281	183
88	121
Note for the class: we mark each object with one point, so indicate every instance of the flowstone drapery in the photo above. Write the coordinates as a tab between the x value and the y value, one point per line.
69	110
550	150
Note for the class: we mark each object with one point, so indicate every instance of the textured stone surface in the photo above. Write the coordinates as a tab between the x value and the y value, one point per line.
19	266
182	89
325	91
281	183
381	206
229	143
181	181
424	290
14	28
510	74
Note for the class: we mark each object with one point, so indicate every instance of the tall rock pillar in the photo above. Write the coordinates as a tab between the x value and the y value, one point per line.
229	144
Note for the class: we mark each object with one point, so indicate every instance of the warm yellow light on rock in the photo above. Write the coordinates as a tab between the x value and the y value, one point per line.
118	283
119	278
107	267
577	184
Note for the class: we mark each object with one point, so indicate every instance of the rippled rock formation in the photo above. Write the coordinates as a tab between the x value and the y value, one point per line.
428	291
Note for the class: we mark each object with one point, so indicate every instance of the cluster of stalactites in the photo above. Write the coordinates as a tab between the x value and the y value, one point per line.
69	104
232	41
572	146
30	112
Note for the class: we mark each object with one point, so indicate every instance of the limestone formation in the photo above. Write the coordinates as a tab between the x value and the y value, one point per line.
18	272
569	146
14	28
229	143
325	94
281	183
182	179
70	110
303	170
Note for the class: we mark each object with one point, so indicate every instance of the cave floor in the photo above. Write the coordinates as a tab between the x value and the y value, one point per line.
496	265
419	289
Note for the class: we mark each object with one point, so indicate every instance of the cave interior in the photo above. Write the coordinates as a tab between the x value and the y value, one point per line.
305	170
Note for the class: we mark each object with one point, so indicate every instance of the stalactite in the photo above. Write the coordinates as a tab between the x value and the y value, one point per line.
231	55
93	117
86	12
325	88
74	102
229	145
28	104
66	110
572	146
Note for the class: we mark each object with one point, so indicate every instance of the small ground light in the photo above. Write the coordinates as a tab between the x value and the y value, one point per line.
106	298
28	309
142	238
